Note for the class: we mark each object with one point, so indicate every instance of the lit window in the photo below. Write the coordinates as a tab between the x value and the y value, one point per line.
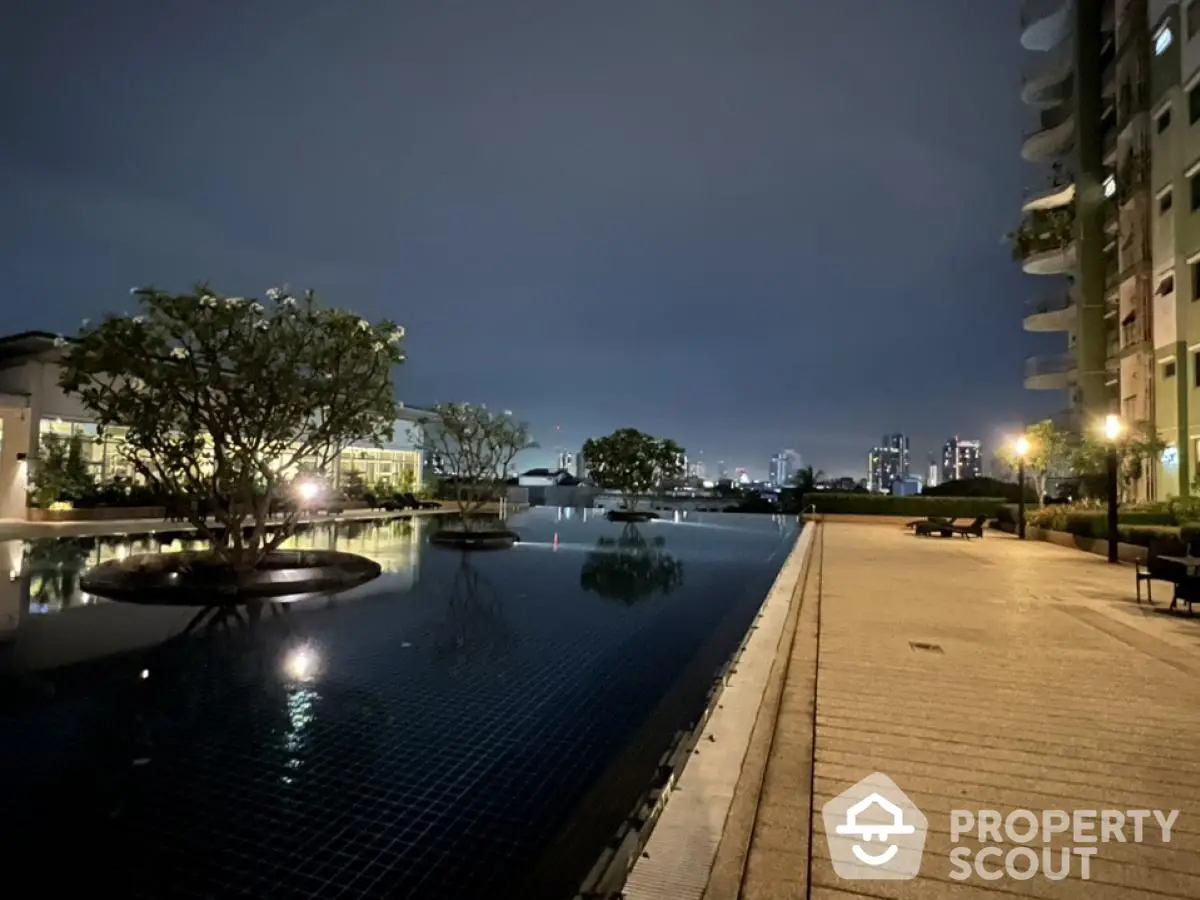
1162	40
1110	186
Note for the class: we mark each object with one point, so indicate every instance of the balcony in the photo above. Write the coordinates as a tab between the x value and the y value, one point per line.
1053	313
1044	23
1058	193
1044	244
1048	85
1051	137
1049	373
1133	175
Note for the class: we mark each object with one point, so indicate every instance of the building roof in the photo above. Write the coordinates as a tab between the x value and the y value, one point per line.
25	344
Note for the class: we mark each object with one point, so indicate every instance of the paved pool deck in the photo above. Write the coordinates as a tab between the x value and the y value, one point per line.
986	674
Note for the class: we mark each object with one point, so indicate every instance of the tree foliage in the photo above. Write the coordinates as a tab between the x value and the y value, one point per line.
1138	447
61	473
223	400
1049	454
476	446
806	479
632	462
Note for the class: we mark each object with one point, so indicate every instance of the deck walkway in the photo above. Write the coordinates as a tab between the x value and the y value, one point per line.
984	675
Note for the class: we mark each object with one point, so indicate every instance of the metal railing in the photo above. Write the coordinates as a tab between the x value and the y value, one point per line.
1049	364
1050	119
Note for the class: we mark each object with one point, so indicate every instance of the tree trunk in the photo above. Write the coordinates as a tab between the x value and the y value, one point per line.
1041	489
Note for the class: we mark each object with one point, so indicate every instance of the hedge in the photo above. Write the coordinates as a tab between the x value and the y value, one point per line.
888	505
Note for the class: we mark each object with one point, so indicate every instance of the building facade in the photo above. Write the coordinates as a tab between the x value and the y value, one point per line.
33	407
961	459
1090	216
783	466
1173	30
887	463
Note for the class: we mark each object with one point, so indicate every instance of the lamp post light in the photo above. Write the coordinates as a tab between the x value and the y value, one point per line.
1112	431
1022	448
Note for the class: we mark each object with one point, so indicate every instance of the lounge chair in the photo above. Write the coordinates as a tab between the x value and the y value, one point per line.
938	520
928	529
1154	570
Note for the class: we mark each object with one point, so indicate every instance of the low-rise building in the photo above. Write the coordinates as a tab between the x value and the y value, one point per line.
32	406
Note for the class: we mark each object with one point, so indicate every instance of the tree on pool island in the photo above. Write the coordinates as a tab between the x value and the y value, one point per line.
221	402
476	446
632	462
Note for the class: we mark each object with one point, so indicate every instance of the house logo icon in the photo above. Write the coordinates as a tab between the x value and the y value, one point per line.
874	832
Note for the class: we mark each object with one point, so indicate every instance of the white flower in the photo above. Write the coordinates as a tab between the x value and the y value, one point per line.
136	384
256	308
208	300
508	412
377	346
179	353
85	323
396	336
134	290
138	320
60	341
289	302
263	325
364	325
274	293
327	376
234	301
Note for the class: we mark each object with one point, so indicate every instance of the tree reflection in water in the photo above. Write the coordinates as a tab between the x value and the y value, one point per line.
475	624
630	567
53	568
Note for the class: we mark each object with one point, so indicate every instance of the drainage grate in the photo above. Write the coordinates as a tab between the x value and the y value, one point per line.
928	648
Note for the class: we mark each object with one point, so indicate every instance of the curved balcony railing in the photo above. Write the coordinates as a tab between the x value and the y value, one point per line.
1053	313
1052	136
1049	373
1047	85
1044	23
1058	193
1044	243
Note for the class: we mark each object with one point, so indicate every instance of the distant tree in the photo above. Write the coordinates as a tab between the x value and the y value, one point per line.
806	479
354	486
1049	455
61	472
225	399
632	462
477	446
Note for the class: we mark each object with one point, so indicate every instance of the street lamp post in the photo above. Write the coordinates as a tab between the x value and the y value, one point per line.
1022	449
1112	431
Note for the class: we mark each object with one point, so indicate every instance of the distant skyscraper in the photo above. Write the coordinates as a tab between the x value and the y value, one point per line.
566	461
961	459
934	470
581	471
783	467
722	472
888	463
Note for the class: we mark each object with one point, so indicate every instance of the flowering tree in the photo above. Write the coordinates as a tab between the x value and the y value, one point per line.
1048	455
223	400
475	446
630	568
632	462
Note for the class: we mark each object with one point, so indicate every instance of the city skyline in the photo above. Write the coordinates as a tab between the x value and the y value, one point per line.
666	174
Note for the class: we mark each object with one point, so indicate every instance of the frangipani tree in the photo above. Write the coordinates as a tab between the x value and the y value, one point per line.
476	446
632	462
223	400
1138	447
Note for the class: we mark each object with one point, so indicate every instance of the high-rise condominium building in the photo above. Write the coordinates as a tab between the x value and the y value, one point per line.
783	466
1172	112
566	461
1090	79
887	463
961	459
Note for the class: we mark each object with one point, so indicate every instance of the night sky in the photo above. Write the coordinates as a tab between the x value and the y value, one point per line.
745	225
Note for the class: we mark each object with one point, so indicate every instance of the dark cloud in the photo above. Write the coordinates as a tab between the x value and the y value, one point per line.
747	225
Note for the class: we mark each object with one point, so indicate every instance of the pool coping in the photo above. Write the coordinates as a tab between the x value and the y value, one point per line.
668	845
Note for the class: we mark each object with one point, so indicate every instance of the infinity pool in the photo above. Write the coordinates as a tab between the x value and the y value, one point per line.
462	727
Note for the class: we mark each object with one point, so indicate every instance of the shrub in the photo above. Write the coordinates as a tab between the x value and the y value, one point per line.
982	487
886	505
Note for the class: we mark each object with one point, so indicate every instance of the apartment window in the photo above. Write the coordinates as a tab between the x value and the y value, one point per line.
1193	19
1196	369
1110	185
1195	182
1166	286
1163	40
1164	202
1163	122
1194	104
1169	369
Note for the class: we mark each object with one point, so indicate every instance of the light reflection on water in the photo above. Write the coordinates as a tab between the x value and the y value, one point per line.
43	575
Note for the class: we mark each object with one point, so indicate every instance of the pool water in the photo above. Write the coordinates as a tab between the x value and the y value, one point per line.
465	726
